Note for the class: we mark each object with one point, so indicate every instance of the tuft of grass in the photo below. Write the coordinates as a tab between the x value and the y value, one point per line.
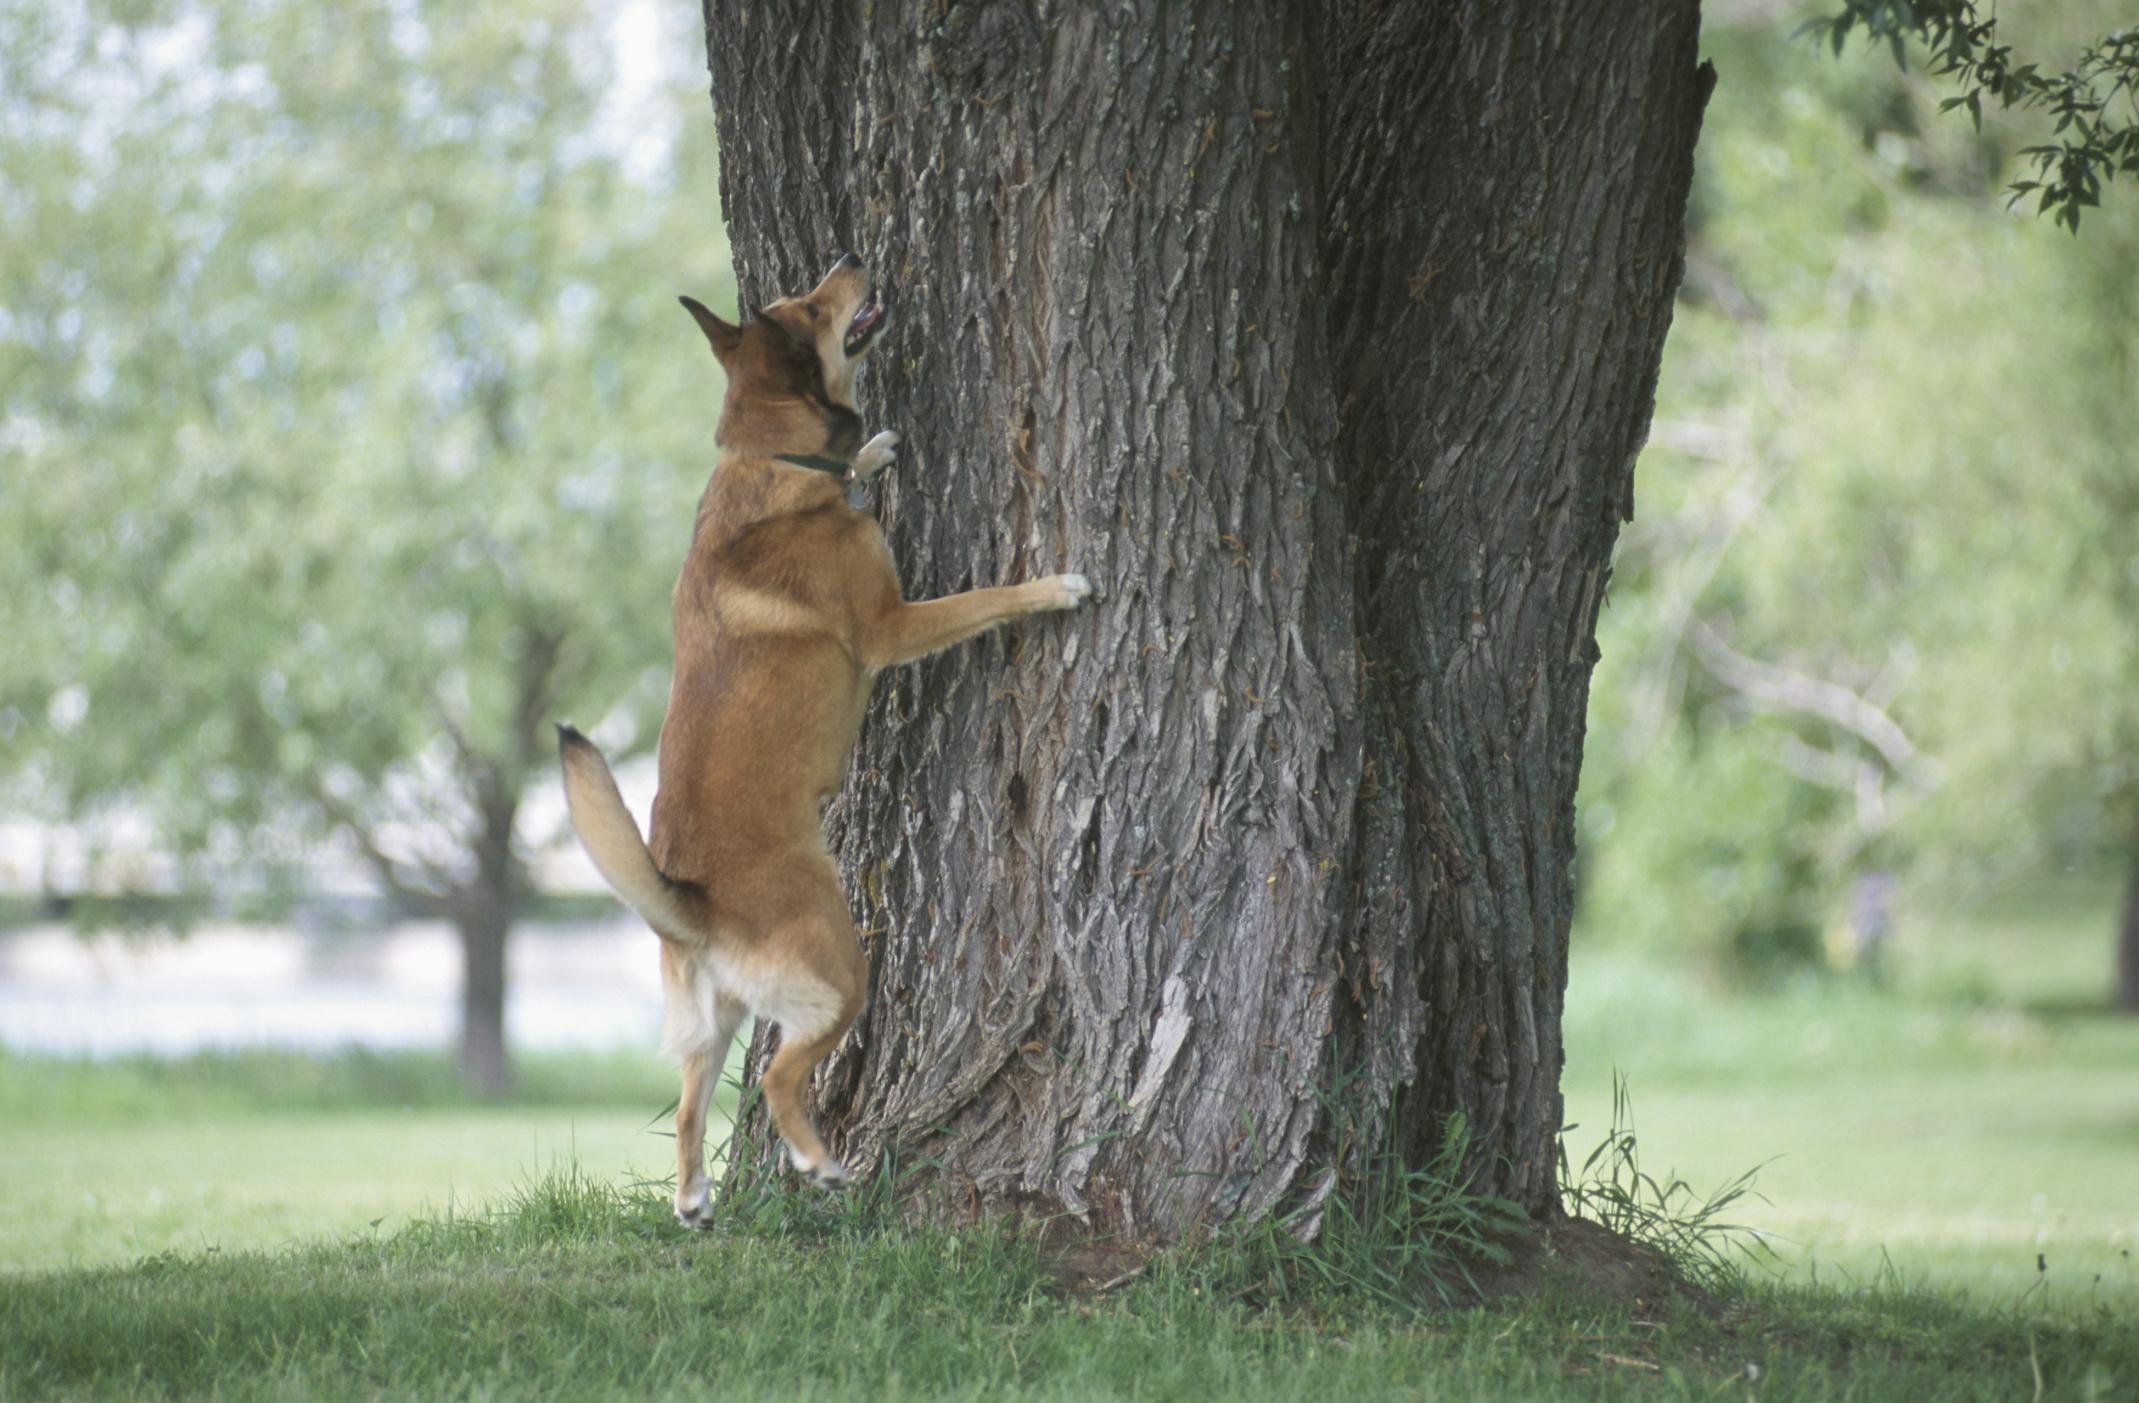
1688	1228
1403	1239
765	1201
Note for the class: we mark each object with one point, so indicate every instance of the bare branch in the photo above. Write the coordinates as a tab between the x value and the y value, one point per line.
1779	688
536	672
480	769
1816	765
430	892
1863	780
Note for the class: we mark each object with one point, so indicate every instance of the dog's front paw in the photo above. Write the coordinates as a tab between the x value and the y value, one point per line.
1068	591
877	454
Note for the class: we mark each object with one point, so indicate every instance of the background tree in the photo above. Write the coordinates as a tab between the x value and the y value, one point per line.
1323	338
1878	612
343	383
2093	104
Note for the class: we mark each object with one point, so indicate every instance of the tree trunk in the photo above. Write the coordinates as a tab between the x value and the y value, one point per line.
484	1062
2127	995
1323	338
483	914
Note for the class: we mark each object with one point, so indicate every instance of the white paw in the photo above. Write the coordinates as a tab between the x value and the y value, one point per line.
876	455
694	1204
830	1174
1072	590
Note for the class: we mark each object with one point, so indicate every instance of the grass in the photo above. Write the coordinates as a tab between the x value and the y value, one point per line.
1980	1114
109	1161
1697	1233
1411	1240
248	1082
577	1289
1918	1148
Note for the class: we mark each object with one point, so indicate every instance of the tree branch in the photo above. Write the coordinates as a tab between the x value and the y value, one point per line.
435	900
1863	780
1781	689
2093	142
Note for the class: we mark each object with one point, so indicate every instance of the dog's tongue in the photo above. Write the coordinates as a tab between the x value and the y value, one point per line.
865	321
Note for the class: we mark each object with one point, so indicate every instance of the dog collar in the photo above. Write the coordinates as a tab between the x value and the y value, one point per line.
837	467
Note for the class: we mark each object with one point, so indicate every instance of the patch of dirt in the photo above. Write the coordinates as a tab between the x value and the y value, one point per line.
1092	1267
1572	1256
1585	1259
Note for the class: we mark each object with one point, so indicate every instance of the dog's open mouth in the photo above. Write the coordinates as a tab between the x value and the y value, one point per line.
863	329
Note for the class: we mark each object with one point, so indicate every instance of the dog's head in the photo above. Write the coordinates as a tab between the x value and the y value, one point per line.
791	367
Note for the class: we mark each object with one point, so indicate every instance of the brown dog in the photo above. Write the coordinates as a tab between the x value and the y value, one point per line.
787	608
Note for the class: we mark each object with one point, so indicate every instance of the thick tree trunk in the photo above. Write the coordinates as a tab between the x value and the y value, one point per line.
1323	339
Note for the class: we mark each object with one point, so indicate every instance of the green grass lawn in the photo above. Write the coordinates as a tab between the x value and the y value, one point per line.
109	1193
1981	1114
106	1163
1920	1146
577	1291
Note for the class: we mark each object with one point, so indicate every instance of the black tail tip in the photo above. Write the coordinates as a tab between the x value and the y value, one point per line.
568	736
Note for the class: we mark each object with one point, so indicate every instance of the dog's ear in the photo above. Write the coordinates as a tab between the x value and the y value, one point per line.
726	338
789	332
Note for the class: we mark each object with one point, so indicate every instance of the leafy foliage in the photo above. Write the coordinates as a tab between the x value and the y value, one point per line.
348	411
2097	139
1874	612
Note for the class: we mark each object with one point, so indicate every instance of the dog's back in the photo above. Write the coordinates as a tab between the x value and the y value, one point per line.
769	684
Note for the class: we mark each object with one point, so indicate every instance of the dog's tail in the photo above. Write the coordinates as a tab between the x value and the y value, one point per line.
676	910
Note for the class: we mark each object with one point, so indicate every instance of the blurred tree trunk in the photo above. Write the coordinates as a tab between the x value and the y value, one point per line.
483	900
483	913
2127	995
484	907
483	1058
1323	338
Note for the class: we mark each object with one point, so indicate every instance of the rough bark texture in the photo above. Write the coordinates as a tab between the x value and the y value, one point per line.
1323	338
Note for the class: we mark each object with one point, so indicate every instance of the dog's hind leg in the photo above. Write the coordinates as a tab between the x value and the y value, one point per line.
813	1014
786	1081
701	1075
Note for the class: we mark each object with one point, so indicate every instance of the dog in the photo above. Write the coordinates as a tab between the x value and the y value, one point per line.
787	608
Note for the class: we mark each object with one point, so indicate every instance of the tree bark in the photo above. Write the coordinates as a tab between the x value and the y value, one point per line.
1323	338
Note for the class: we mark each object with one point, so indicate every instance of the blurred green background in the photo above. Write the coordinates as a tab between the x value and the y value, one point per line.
350	434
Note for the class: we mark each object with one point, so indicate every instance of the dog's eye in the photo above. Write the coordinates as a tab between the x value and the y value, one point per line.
812	312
